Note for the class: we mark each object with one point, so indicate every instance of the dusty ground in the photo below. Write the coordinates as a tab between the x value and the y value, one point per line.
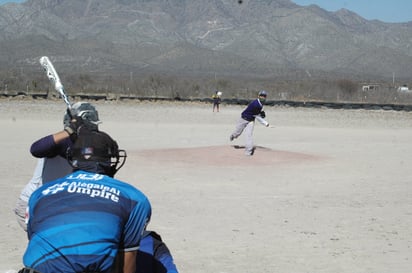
326	191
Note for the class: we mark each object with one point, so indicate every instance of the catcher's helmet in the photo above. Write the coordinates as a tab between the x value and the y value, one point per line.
97	152
86	112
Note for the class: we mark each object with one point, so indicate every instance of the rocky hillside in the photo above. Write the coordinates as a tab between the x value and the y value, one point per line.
260	37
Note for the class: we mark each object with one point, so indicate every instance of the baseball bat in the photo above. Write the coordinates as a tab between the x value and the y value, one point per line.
54	79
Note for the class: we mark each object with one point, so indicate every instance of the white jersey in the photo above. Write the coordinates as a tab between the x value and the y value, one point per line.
47	169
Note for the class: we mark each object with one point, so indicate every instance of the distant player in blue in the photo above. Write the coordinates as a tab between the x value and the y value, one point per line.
86	221
246	122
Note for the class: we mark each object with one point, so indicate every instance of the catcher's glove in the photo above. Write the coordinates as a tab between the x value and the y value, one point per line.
263	114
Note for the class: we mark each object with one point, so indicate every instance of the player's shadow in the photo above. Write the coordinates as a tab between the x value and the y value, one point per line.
255	147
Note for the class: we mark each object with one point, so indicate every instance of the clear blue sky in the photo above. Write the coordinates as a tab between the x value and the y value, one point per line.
391	11
7	1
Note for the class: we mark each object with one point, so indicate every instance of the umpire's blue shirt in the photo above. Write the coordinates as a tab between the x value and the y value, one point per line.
79	222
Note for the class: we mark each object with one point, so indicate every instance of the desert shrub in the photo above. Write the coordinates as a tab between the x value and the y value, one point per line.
347	89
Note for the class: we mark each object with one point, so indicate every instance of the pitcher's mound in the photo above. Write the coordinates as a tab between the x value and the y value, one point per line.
223	156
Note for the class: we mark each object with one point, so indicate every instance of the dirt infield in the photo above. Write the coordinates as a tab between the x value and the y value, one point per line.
326	190
224	156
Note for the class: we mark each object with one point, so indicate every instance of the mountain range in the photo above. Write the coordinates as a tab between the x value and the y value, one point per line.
265	38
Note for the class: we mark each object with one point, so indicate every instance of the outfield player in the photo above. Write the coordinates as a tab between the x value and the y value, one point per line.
246	122
86	221
216	100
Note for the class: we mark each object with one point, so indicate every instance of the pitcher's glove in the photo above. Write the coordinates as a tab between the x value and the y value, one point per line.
263	114
73	128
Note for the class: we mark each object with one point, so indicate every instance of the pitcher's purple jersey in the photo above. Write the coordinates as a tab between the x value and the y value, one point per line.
78	223
254	108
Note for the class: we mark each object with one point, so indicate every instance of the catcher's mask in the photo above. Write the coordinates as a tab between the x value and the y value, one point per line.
97	152
86	112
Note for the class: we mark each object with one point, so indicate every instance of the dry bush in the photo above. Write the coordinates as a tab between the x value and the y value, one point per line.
189	86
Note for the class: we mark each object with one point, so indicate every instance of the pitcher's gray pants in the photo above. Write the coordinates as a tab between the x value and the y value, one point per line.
246	127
